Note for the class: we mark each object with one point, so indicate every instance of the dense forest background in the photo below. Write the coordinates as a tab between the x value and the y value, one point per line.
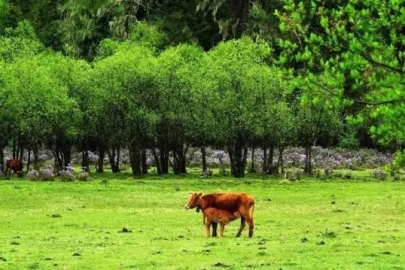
164	76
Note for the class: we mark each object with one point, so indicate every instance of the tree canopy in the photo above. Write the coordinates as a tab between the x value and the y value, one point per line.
163	76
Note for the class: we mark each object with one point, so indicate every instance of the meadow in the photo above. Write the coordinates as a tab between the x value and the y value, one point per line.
117	222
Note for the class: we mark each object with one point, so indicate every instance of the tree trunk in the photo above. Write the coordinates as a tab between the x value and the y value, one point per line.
144	165
135	157
270	169
58	160
1	159
21	151
264	165
14	149
164	159
308	159
157	161
67	154
204	159
252	166
35	151
29	158
113	156
237	155
179	160
85	160
280	162
100	161
242	13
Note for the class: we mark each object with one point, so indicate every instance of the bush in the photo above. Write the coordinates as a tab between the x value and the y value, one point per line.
329	172
83	176
33	175
67	176
292	175
379	174
46	174
343	174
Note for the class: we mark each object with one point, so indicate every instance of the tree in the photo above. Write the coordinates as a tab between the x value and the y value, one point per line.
234	23
225	69
317	119
74	74
38	106
275	124
358	47
125	85
16	44
41	14
84	24
173	105
180	21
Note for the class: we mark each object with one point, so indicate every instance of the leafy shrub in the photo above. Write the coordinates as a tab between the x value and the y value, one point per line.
316	173
379	174
347	174
46	174
292	175
329	172
67	175
343	174
83	176
33	175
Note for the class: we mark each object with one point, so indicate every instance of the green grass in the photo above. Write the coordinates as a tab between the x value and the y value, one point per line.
310	224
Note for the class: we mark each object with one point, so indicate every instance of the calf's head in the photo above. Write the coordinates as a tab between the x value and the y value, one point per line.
193	201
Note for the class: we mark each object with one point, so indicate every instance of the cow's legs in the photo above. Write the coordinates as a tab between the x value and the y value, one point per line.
242	226
214	229
221	230
207	229
249	221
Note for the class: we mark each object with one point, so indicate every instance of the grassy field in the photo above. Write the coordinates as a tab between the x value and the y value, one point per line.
124	223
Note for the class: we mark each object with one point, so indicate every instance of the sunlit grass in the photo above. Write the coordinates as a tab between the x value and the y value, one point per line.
126	223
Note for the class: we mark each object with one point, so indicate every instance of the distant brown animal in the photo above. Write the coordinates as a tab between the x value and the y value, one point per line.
14	165
212	214
242	203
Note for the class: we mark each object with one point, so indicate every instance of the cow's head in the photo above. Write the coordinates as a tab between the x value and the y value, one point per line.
193	201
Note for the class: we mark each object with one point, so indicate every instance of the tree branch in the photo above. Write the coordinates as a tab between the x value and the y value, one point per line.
359	101
376	63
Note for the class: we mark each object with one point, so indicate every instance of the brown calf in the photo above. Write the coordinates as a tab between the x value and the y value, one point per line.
242	203
14	165
212	214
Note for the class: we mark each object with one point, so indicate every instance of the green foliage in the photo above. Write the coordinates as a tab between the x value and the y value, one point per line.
148	36
84	24
23	30
227	74
129	73
36	105
359	47
3	14
19	42
176	106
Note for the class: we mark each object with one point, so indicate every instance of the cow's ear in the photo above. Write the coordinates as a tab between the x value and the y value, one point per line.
199	194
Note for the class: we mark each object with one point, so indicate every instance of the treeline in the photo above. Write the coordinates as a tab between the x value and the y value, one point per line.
90	75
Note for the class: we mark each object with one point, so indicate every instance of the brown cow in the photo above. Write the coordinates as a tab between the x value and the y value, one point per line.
14	165
212	214
231	202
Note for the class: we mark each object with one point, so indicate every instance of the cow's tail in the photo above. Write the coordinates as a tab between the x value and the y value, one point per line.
252	209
